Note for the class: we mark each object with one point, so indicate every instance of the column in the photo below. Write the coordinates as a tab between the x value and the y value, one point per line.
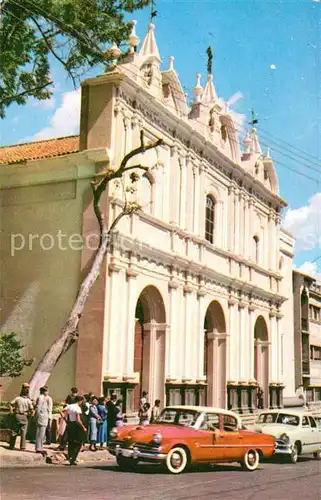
242	342
148	376
236	222
190	194
111	347
273	348
174	188
271	243
182	216
251	342
200	375
250	230
277	241
186	346
202	201
196	204
280	355
246	238
231	216
130	330
241	223
172	341
232	342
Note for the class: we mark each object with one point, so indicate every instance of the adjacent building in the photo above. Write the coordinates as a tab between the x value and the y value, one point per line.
195	302
307	335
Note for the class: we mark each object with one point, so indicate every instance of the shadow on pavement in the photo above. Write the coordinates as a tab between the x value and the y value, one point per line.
160	469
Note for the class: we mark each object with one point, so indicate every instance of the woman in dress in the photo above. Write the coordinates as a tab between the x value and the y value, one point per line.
93	419
102	426
75	429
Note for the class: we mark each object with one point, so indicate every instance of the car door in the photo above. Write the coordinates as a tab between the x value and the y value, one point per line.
306	435
209	444
231	438
315	436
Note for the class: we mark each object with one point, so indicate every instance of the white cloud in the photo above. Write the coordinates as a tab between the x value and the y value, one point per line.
305	224
310	268
66	118
272	66
46	103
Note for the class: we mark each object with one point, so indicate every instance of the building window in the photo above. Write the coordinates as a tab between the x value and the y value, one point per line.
146	193
209	218
256	249
224	132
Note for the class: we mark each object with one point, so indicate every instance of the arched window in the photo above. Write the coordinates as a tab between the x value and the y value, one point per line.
256	249
209	218
146	193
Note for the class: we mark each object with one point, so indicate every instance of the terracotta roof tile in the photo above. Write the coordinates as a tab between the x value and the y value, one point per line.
18	153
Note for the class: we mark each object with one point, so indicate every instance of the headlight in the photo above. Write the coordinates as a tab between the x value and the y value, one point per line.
113	433
157	438
285	438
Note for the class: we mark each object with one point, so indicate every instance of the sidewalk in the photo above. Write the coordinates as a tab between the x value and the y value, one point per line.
28	458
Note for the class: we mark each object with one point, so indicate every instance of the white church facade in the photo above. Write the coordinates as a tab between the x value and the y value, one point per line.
198	298
194	303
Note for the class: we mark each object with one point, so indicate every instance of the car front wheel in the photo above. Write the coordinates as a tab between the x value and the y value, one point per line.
293	458
317	455
176	460
126	464
251	460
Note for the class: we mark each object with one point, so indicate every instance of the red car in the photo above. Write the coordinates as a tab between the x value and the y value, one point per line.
184	435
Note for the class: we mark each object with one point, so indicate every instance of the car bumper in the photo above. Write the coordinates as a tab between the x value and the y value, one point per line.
283	449
137	454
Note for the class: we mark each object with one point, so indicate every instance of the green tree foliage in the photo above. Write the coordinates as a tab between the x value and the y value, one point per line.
75	32
11	360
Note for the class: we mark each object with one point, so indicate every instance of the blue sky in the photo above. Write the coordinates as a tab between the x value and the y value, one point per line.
270	51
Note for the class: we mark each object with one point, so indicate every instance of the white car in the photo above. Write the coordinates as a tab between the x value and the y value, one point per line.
296	432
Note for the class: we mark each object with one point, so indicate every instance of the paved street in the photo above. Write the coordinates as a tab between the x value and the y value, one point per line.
272	481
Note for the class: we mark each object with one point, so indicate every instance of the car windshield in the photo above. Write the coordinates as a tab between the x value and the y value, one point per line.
178	417
267	418
286	418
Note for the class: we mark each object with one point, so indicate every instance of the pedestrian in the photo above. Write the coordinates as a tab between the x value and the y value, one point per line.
70	399
85	414
62	426
48	429
155	411
142	402
102	427
94	418
76	430
145	415
260	398
111	414
21	407
42	414
119	413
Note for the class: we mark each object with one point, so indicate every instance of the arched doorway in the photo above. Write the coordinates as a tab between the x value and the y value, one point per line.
261	357
149	348
215	355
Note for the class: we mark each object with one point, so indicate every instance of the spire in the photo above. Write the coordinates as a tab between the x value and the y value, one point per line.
149	49
255	145
209	95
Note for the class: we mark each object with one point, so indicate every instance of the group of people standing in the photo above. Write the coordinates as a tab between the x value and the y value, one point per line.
88	419
83	419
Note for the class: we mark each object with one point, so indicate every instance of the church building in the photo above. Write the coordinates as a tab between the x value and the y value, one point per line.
194	303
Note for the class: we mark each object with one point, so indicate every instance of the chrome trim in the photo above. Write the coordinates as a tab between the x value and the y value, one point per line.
137	454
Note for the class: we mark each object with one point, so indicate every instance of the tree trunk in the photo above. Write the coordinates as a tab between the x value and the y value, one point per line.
68	334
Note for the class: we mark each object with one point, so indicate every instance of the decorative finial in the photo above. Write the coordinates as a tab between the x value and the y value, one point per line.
153	11
209	60
133	38
268	153
171	60
198	89
114	52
